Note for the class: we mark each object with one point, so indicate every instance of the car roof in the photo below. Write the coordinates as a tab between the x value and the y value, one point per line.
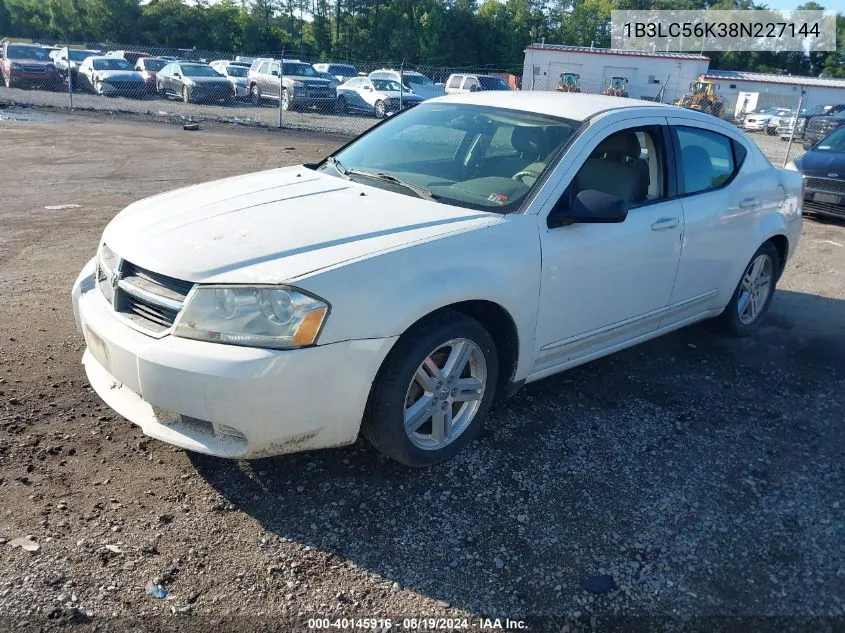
568	104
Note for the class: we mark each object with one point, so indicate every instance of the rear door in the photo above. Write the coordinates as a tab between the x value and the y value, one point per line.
723	204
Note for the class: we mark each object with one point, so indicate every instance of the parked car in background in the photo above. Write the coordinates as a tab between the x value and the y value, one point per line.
111	76
341	72
378	97
445	257
823	168
763	120
330	78
808	113
130	56
462	83
27	65
818	127
236	73
416	82
70	58
149	68
193	83
300	86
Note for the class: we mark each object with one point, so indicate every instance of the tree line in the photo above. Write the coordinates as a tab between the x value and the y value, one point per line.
443	33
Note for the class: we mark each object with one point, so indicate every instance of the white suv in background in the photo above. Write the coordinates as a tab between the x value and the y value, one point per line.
462	84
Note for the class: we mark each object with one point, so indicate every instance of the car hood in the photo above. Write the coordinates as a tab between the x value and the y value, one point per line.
428	91
274	226
394	94
208	81
814	163
119	75
31	62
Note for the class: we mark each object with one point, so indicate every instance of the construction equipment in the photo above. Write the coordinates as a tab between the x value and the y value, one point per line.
616	87
702	96
569	82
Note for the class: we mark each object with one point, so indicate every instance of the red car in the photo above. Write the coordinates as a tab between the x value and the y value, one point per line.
27	64
148	67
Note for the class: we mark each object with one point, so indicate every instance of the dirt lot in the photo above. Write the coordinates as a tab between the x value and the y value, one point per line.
703	475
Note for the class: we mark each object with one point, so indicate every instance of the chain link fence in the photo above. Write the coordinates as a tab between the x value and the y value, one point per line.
275	89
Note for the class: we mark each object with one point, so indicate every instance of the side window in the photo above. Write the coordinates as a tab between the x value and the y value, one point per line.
456	82
263	68
274	68
628	164
706	159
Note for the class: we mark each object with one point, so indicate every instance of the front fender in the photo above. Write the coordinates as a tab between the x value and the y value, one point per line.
385	294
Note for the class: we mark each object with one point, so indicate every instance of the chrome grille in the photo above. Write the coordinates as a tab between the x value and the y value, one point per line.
149	301
828	185
811	206
33	69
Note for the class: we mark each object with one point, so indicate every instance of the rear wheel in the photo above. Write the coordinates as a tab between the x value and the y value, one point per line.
754	293
433	390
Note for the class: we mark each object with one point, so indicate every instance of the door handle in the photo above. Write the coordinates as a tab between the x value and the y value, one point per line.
665	223
747	203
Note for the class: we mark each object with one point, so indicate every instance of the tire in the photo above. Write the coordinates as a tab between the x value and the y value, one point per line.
98	87
380	109
255	95
161	92
286	104
186	95
740	317
397	389
7	80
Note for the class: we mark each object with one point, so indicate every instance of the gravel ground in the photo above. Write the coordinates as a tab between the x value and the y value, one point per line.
171	110
700	476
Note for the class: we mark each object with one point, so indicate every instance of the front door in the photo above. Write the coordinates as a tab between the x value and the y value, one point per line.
605	285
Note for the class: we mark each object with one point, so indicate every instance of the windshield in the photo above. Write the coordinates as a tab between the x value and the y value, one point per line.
834	142
300	70
237	71
199	71
154	64
112	63
28	52
492	83
80	56
420	80
387	84
472	156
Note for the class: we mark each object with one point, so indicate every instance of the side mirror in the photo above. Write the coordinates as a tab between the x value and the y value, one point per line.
275	73
590	207
177	75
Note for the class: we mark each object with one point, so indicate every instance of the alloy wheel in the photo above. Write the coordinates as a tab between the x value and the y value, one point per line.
445	394
755	288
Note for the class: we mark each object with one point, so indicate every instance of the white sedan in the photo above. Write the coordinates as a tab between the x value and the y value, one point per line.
378	97
448	256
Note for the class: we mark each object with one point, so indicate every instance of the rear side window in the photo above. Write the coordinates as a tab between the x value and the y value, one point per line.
706	160
456	82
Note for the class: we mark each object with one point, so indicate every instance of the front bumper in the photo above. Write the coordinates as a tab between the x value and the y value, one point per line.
824	202
754	126
136	91
224	400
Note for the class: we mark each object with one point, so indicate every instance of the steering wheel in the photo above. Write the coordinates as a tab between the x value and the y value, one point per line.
532	171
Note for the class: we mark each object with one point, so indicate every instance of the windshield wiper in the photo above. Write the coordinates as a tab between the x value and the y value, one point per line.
331	160
421	192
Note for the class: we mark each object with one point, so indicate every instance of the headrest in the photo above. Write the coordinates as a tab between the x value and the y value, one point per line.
530	140
624	145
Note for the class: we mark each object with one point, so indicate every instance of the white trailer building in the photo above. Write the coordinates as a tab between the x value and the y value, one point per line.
649	74
775	90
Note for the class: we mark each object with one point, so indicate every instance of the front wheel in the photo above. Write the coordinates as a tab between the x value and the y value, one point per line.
255	95
342	107
754	293
7	79
433	390
380	109
186	95
286	104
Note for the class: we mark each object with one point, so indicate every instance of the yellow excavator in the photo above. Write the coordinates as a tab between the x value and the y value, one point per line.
702	96
616	87
569	82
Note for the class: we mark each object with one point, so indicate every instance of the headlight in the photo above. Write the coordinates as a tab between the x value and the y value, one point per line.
298	84
253	316
14	65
